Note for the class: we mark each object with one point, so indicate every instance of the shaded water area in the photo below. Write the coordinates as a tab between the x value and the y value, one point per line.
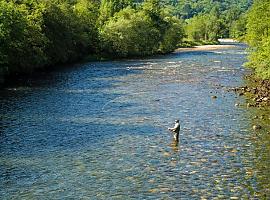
99	131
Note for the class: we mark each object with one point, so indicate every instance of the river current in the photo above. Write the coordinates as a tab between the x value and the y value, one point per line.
99	131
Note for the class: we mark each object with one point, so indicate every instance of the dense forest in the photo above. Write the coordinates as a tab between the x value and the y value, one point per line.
39	33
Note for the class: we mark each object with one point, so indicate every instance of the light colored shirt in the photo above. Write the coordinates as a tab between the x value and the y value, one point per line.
176	127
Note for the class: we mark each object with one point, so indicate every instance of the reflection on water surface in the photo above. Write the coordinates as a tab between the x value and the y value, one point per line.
99	131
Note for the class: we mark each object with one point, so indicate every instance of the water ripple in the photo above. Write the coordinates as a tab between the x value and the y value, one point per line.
99	131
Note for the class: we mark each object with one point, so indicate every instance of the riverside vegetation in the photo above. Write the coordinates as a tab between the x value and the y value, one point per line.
37	33
254	28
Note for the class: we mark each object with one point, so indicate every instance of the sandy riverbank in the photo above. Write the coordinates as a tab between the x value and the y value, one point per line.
224	43
205	48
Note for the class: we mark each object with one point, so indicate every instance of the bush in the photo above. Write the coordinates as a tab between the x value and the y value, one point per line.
130	33
258	38
172	36
141	32
70	30
259	59
21	37
203	27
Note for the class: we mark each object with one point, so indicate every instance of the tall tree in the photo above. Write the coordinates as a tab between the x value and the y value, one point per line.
258	37
21	37
109	7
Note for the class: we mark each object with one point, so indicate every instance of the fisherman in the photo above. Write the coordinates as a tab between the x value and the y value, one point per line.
175	130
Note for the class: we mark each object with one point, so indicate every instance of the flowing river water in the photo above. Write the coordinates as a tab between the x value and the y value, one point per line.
99	131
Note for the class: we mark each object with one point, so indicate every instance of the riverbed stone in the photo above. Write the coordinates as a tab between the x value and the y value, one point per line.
249	105
257	127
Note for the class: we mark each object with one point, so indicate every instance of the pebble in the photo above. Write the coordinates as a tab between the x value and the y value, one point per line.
259	100
166	154
256	127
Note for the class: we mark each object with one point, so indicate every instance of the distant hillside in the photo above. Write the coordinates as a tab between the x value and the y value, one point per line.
189	8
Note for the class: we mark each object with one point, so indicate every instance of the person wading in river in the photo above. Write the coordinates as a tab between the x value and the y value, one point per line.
175	130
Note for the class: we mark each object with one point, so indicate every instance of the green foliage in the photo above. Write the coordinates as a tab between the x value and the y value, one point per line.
258	24
35	34
187	9
259	59
141	32
170	28
130	33
227	11
109	7
21	38
258	37
238	28
153	8
173	35
203	27
70	30
105	11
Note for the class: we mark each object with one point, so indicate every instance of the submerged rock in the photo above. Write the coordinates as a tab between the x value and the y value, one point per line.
249	105
262	117
241	94
256	127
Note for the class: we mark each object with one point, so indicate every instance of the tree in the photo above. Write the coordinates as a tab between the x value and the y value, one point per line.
109	7
71	30
238	28
258	37
204	27
130	33
86	13
21	37
258	22
172	36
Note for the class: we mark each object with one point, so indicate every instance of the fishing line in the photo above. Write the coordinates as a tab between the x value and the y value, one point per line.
128	95
111	101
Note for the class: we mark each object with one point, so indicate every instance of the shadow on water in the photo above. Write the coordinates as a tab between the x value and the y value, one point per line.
99	131
175	146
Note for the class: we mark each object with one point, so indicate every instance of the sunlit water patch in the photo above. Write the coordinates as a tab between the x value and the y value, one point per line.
99	131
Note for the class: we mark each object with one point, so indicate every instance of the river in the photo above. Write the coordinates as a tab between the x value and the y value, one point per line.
99	131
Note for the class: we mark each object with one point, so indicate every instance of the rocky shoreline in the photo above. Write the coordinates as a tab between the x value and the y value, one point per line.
258	91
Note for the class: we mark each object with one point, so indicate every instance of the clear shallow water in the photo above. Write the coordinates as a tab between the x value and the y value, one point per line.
99	131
